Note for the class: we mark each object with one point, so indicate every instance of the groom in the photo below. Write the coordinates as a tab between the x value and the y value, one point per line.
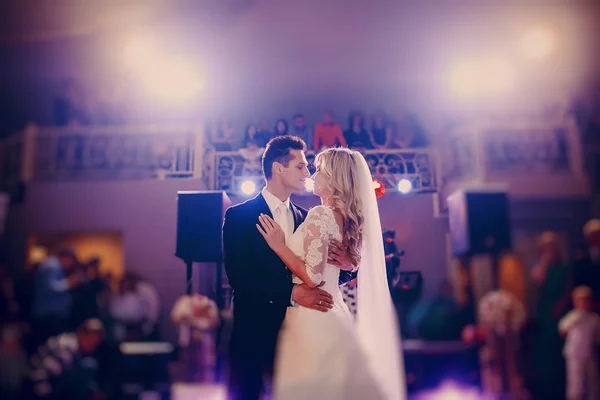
262	284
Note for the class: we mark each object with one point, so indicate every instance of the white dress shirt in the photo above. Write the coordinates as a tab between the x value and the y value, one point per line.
282	213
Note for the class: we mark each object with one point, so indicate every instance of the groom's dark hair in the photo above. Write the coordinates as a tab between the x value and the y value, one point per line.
278	150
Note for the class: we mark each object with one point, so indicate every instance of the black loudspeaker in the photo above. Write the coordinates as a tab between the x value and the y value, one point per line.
199	223
479	222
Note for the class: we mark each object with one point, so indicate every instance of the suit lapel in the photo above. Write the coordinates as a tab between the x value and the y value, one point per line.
261	206
297	216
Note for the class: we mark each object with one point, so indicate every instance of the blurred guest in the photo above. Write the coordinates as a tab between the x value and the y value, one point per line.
149	294
437	319
252	134
135	309
9	306
13	362
581	327
281	128
85	296
553	277
303	131
222	135
407	133
381	131
587	268
65	366
264	130
357	137
52	300
328	133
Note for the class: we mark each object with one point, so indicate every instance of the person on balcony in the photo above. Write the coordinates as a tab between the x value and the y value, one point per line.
328	133
381	131
407	132
264	130
357	137
302	130
221	136
281	128
251	134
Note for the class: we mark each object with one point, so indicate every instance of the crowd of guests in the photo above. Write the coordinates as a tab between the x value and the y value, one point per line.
564	335
61	327
381	131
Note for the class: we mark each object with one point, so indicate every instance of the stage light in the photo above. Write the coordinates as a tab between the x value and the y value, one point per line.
163	75
379	188
138	52
484	77
309	184
248	187
171	79
499	75
405	186
464	79
538	43
449	390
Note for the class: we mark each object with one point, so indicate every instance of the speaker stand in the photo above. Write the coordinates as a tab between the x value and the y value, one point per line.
219	283
188	277
219	301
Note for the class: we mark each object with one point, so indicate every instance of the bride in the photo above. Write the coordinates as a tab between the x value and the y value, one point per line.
330	355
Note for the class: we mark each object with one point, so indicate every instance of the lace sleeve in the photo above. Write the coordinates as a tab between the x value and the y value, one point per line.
316	236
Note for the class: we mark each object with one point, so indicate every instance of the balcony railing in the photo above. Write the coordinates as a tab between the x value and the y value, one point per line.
121	153
531	158
388	166
525	156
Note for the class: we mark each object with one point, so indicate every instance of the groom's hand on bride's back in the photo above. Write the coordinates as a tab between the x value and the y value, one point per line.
337	254
314	298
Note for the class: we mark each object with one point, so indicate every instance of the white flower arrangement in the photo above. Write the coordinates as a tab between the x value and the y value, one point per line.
195	311
499	310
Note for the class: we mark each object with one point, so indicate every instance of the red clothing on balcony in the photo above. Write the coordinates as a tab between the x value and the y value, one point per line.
328	135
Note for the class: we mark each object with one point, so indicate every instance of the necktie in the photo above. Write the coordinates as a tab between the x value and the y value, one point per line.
281	218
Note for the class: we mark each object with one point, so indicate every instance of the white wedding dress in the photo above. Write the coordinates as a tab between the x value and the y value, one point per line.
318	353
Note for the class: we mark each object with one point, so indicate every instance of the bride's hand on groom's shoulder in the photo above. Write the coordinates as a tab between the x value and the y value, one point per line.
271	231
314	298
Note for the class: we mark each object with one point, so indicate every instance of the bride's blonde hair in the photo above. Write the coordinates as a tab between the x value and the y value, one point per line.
340	165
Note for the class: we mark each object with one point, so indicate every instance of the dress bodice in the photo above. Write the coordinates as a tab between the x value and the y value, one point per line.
310	243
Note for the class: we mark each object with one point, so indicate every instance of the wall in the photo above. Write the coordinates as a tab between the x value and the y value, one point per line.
145	213
108	245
